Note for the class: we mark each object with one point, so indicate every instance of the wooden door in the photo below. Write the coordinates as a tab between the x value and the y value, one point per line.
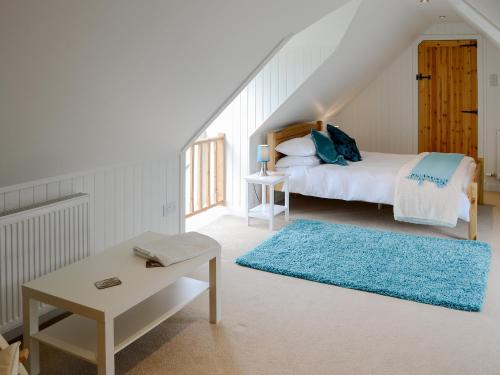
447	98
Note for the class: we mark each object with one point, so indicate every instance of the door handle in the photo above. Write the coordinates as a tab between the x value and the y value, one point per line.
473	112
421	77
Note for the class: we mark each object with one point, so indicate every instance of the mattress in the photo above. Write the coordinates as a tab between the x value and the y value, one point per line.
371	180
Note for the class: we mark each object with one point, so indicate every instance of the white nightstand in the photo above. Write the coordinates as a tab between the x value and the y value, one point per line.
268	210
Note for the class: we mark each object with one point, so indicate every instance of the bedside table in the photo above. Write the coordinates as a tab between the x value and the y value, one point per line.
268	211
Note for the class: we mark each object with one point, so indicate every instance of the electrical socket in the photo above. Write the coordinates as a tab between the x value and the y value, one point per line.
169	207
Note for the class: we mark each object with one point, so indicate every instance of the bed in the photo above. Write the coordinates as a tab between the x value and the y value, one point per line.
371	180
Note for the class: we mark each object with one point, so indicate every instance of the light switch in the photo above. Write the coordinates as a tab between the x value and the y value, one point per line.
493	79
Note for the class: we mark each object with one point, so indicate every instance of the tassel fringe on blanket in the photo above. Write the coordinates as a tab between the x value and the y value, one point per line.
436	167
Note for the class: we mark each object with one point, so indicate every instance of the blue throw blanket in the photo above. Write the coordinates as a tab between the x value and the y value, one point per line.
436	167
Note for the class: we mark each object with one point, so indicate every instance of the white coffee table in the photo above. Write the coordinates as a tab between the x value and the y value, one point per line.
268	210
106	321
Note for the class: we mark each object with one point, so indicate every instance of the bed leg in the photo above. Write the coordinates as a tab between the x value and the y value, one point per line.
379	206
480	181
473	211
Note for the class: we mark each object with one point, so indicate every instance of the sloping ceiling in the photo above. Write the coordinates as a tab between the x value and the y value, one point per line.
379	32
92	83
483	14
488	8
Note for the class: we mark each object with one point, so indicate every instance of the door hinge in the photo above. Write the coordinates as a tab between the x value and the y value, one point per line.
473	111
421	77
469	45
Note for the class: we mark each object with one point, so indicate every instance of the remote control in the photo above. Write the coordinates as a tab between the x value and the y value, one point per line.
107	283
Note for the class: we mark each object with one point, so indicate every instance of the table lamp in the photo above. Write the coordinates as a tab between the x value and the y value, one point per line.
263	158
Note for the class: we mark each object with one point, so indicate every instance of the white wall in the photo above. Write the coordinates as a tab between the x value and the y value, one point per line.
117	88
125	200
491	118
277	80
487	8
483	14
256	102
383	116
374	39
380	118
95	83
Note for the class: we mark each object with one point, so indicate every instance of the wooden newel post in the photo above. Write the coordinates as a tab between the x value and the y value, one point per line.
220	170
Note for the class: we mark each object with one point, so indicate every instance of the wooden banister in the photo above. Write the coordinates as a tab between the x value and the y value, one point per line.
220	181
200	175
208	168
191	184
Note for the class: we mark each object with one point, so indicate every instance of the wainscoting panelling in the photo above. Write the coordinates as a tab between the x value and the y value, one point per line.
263	95
380	118
285	72
37	241
124	200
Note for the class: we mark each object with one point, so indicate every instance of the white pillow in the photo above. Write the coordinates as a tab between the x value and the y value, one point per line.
303	146
9	360
291	161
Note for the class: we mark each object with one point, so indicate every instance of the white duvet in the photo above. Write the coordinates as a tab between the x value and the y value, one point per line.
371	180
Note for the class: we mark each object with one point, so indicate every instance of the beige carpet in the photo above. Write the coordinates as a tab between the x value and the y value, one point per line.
278	325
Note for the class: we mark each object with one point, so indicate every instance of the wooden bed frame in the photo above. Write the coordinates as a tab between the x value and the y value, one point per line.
474	191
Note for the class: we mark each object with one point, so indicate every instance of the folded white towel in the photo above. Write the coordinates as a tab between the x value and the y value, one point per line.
174	249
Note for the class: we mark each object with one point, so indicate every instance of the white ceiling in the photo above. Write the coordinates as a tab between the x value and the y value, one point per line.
483	14
488	8
379	32
92	83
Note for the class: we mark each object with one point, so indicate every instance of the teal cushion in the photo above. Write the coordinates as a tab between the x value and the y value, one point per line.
344	144
326	149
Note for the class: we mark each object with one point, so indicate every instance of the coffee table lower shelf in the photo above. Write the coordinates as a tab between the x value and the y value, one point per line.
77	335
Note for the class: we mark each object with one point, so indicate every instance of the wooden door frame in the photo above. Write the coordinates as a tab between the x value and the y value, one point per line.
480	85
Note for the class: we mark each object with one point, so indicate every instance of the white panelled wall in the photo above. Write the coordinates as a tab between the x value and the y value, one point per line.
383	116
380	118
271	87
125	200
278	79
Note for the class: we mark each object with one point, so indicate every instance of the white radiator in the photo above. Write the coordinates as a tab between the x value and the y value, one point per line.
35	241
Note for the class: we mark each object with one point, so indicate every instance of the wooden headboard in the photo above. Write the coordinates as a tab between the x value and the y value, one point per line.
284	134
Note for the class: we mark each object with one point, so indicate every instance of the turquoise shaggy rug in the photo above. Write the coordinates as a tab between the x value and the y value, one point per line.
443	272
